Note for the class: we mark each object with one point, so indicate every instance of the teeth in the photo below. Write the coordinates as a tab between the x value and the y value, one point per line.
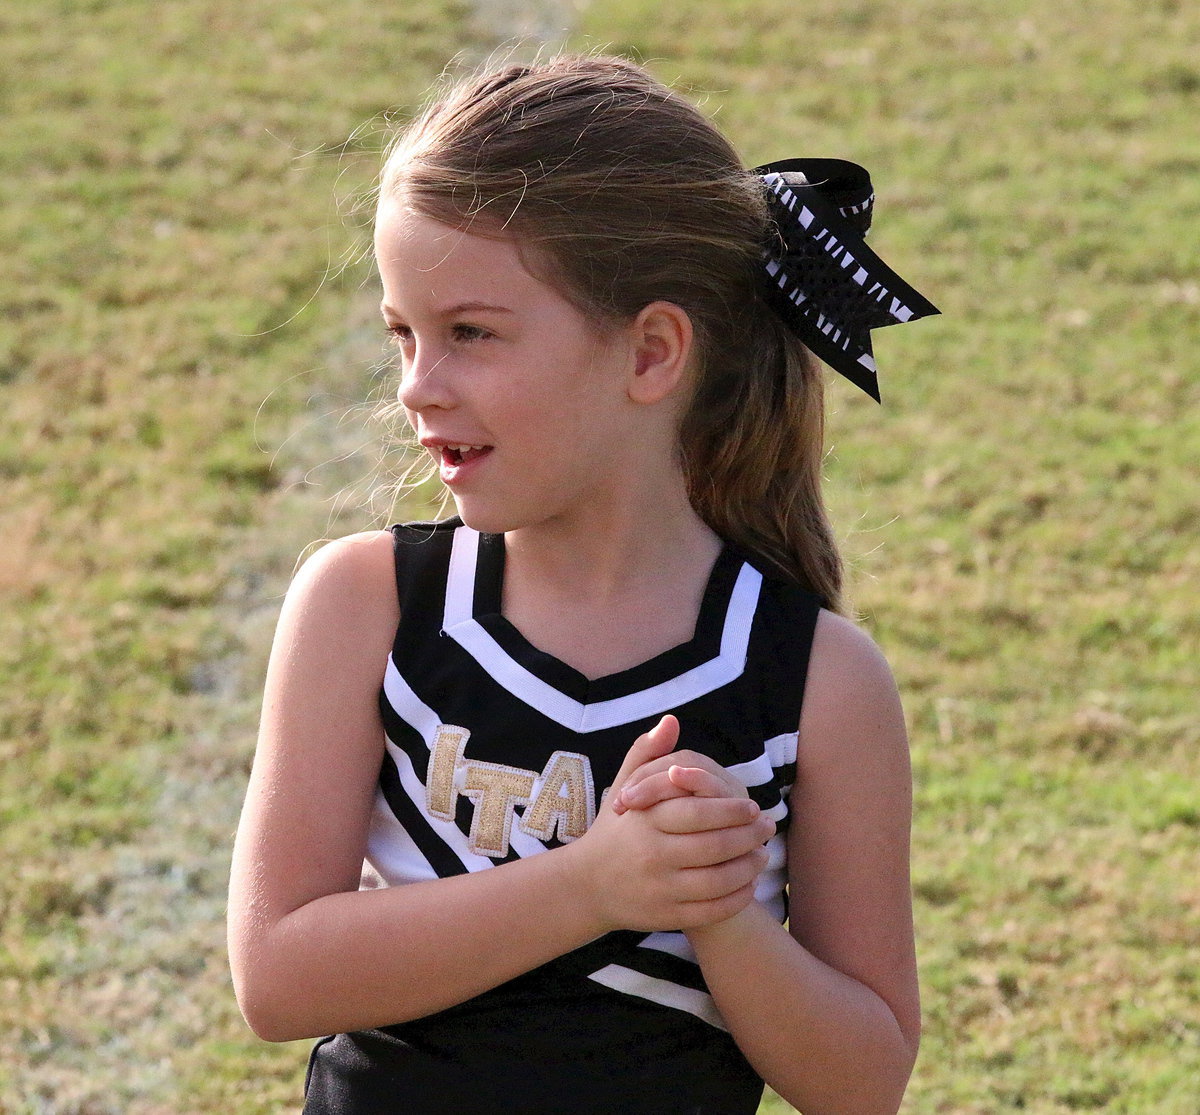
464	448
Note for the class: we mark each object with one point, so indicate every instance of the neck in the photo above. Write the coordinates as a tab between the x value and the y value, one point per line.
605	594
601	553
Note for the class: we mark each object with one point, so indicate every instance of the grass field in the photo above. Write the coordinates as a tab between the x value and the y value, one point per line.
181	360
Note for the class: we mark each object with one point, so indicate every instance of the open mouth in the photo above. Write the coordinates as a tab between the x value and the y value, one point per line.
458	455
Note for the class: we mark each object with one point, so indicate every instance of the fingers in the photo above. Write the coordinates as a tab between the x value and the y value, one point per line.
674	782
730	786
695	915
692	815
687	861
647	792
706	847
654	744
702	884
696	780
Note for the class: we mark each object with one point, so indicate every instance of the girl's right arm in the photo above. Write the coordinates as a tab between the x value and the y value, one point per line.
311	954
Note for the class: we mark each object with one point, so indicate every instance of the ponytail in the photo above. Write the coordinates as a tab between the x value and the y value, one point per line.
752	444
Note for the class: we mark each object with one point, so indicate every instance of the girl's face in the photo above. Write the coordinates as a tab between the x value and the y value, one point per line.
517	396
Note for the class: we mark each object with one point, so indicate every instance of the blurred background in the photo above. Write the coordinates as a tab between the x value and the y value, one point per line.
188	354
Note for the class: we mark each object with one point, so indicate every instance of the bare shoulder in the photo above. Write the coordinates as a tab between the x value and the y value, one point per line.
355	564
850	695
341	611
843	654
355	573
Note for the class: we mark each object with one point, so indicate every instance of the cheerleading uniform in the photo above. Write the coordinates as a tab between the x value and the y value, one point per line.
495	750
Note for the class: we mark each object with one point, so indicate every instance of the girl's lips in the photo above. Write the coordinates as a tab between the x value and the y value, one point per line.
461	454
458	460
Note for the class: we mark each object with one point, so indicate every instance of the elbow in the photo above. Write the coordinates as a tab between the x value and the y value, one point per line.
269	1000
893	1080
896	1060
906	1060
877	1092
268	1014
267	1027
261	1014
891	1083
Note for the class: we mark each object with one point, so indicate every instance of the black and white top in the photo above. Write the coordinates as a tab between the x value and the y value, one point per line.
496	750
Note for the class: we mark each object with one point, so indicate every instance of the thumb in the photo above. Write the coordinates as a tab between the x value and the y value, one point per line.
659	741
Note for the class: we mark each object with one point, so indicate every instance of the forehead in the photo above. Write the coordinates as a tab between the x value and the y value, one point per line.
410	246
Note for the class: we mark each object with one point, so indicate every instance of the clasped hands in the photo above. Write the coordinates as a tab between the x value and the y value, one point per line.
677	844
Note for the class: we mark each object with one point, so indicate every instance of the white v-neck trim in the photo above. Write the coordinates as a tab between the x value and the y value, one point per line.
460	624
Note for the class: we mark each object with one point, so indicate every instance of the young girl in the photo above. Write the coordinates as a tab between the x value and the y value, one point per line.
592	732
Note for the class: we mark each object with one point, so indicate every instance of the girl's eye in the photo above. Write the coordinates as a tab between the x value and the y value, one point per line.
469	333
401	334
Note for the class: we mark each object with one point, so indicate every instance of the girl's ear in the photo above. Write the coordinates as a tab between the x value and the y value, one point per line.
662	346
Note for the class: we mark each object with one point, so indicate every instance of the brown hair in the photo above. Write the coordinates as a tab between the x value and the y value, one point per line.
632	197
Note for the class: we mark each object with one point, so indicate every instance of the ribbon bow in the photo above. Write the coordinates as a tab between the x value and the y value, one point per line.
830	288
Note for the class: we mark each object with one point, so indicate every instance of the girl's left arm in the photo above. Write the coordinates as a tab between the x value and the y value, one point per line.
827	1010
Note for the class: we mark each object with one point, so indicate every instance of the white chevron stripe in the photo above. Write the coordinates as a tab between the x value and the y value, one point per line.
674	943
391	851
661	991
578	716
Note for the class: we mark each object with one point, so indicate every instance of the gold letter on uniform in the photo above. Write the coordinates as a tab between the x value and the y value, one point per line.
445	754
565	801
495	790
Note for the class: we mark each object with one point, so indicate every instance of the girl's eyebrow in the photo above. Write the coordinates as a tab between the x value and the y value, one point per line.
469	307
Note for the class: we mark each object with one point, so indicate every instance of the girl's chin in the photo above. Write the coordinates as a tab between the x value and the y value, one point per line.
483	518
490	517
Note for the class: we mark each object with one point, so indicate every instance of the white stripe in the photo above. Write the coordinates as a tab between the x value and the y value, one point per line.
511	675
460	577
781	750
768	889
661	991
576	715
778	811
756	772
674	943
390	849
411	709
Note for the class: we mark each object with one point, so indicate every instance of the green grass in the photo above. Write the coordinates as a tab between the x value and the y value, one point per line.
176	350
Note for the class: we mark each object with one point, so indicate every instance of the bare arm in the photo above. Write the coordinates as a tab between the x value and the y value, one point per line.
311	954
829	1013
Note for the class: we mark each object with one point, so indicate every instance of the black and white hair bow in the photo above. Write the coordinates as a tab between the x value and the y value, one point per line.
822	279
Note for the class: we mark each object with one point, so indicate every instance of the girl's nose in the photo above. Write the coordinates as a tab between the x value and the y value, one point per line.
424	382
